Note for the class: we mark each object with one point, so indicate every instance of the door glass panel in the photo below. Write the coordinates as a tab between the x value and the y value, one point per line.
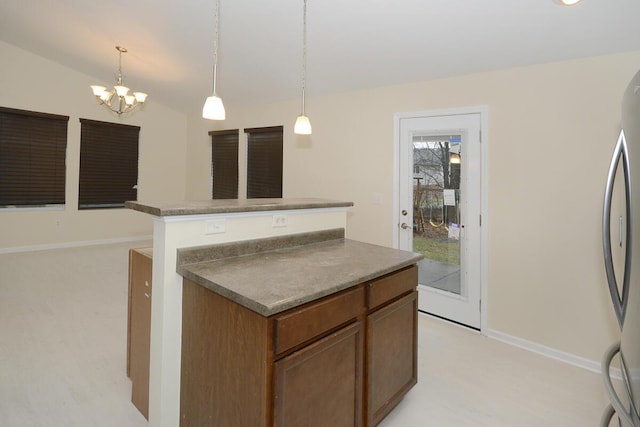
436	210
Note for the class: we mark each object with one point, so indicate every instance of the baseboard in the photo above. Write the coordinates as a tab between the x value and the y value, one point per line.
77	244
552	353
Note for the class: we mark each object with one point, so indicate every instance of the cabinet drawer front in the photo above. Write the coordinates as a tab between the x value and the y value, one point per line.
387	288
303	324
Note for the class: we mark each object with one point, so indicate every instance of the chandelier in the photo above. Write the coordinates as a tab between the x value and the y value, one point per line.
118	99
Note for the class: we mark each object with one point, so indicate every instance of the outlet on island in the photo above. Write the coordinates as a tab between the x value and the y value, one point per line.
279	221
215	226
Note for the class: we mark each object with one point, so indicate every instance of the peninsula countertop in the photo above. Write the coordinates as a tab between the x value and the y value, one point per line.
271	275
200	207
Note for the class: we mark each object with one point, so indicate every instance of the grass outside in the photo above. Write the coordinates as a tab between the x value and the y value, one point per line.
443	250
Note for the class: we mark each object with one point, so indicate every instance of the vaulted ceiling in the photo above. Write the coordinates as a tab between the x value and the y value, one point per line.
352	44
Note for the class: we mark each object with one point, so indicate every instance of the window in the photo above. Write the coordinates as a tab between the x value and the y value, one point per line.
32	158
108	164
264	162
224	164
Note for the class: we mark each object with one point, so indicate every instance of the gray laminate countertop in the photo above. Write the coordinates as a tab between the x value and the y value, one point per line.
271	280
200	207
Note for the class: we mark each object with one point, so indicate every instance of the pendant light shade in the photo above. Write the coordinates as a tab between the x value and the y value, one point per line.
303	125
213	108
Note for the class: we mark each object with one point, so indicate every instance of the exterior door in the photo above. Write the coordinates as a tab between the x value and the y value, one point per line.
440	211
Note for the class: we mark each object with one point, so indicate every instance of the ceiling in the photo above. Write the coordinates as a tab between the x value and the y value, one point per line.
352	44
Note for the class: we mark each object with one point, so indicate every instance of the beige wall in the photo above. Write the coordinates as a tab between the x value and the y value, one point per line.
551	132
31	82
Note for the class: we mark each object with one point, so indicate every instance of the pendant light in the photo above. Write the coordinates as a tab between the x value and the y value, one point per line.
303	126
213	108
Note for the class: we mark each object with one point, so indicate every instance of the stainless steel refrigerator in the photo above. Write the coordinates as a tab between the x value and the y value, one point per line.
621	233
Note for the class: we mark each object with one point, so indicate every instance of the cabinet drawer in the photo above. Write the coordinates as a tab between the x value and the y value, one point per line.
387	288
303	324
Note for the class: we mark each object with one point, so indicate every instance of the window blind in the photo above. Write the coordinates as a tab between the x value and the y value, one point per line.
224	164
32	158
264	162
108	164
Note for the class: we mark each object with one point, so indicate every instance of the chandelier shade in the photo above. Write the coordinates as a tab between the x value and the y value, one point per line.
118	99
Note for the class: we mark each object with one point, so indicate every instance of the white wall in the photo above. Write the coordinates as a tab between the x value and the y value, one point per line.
552	129
30	82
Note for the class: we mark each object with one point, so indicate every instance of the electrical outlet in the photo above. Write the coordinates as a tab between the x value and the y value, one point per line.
215	226
279	221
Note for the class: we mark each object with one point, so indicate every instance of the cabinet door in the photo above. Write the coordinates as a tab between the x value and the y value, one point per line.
391	356
140	329
321	385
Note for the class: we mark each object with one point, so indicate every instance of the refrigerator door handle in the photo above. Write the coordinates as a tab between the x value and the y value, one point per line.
621	152
616	403
620	228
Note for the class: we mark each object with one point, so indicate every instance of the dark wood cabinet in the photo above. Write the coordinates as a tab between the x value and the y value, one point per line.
139	327
344	360
391	355
392	341
321	385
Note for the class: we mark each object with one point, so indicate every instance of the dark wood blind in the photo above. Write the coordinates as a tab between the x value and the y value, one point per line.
224	164
32	158
264	162
108	164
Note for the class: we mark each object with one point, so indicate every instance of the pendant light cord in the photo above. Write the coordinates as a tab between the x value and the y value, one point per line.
215	46
304	52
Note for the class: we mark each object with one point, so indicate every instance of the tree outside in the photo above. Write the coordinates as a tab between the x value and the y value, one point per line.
436	170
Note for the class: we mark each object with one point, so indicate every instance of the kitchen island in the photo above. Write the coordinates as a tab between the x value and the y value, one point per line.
202	240
310	329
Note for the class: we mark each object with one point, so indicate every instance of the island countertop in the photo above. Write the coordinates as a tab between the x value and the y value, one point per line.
200	207
271	275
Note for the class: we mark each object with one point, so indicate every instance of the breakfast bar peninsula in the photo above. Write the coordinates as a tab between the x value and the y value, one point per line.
264	314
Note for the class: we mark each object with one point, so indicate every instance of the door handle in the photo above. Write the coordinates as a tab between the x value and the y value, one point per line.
404	226
620	154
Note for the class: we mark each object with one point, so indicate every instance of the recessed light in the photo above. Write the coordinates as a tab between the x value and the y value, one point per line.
567	2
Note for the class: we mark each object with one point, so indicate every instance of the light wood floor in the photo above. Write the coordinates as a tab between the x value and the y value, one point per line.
63	343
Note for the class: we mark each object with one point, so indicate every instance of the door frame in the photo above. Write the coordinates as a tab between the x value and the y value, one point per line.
484	187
